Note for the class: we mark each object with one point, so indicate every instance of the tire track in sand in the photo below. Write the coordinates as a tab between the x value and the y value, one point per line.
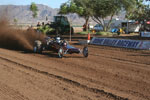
9	93
94	90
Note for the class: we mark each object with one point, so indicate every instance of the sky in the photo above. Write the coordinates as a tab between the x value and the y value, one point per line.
50	3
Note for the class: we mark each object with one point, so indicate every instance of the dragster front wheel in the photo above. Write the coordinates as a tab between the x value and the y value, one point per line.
60	52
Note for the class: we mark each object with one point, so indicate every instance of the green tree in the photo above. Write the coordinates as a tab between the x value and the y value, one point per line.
81	7
103	9
34	9
99	10
87	11
141	12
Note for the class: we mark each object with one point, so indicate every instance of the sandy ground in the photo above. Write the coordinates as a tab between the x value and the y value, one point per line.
107	74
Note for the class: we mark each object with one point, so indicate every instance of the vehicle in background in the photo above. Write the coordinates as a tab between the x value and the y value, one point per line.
98	28
61	25
130	26
145	29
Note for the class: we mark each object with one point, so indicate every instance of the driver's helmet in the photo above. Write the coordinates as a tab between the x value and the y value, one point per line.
58	39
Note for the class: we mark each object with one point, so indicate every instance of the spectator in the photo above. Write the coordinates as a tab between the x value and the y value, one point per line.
43	24
84	27
38	25
48	23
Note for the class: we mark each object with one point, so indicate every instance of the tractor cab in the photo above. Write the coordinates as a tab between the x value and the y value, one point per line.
61	20
61	25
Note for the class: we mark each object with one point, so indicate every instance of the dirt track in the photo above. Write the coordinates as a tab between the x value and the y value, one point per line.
108	74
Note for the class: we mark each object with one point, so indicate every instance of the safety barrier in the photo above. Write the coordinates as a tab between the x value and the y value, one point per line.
124	43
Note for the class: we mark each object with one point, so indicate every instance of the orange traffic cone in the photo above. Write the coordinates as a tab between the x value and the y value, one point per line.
89	38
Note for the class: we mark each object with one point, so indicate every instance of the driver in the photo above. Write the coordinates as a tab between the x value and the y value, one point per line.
57	39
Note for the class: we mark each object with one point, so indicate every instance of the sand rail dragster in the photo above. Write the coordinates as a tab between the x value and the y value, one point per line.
59	45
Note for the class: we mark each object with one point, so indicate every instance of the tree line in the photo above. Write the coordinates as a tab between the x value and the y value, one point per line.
99	10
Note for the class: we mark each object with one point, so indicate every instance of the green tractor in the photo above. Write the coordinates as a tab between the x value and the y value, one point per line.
61	25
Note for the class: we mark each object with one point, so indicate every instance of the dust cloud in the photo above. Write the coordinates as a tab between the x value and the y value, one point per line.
17	39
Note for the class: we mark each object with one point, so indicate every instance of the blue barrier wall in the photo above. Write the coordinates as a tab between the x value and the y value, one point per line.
124	43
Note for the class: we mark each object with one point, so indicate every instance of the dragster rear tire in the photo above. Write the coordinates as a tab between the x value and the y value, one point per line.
85	51
37	47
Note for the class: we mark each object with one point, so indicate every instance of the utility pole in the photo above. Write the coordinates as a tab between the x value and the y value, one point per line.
70	31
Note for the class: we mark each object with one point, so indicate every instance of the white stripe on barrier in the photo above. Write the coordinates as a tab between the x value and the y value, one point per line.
125	43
